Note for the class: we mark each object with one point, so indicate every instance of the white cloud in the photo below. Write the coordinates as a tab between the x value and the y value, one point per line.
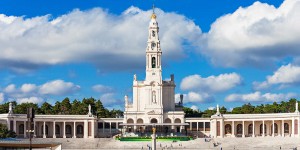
194	97
211	84
284	76
109	99
10	88
257	35
194	107
28	88
259	97
102	88
211	108
37	100
58	87
94	36
1	97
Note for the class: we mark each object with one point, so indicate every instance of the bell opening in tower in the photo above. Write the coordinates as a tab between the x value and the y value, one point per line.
153	62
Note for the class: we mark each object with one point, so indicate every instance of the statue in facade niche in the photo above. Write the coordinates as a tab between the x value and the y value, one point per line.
153	97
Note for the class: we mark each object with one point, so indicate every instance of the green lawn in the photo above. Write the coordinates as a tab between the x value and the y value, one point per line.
147	139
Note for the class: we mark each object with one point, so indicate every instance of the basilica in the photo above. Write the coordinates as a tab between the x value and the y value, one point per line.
153	104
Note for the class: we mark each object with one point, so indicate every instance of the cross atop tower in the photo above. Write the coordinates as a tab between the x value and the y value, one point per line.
153	7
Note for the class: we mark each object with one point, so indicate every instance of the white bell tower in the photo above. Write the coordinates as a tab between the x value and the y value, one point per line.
153	52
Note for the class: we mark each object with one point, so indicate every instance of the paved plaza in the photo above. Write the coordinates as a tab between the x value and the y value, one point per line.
259	143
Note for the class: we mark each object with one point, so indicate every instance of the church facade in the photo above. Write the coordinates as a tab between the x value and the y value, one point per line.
153	103
153	98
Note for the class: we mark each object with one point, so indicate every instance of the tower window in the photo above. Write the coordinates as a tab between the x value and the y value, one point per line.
153	33
153	62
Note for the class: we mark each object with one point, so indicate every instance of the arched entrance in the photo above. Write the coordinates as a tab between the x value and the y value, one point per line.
239	129
21	129
167	128
228	129
57	130
250	129
177	120
68	130
153	120
286	128
130	127
79	130
140	128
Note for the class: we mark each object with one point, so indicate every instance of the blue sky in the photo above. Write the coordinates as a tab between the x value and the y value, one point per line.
221	52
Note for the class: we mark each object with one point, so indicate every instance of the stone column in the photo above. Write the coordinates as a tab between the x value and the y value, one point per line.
44	130
282	128
190	126
222	128
103	125
64	129
298	127
25	129
243	129
263	127
93	128
54	136
253	129
15	125
110	128
85	132
293	127
203	127
8	124
74	129
233	135
273	128
34	133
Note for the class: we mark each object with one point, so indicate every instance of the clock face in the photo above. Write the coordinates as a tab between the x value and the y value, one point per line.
153	45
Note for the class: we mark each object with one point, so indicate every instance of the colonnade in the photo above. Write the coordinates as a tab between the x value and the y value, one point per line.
258	127
54	129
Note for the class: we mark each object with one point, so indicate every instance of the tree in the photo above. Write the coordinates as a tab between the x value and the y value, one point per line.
5	133
57	108
208	113
4	108
223	110
247	109
76	107
46	108
66	106
236	110
22	108
100	110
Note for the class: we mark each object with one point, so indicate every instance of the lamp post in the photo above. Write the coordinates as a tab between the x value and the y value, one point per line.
30	116
154	138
